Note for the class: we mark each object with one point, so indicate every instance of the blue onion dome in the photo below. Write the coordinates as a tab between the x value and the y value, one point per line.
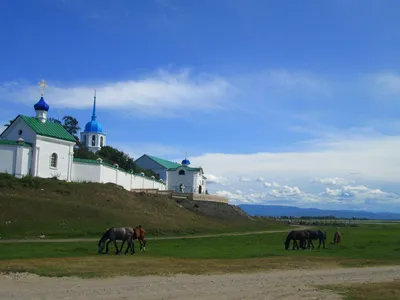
185	162
41	105
93	126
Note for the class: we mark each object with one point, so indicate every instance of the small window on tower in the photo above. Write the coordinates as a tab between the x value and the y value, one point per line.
20	132
101	141
181	172
93	140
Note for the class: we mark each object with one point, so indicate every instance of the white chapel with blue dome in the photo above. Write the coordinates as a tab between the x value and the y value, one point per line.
36	146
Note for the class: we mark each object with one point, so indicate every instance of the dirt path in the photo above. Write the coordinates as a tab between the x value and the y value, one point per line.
79	240
283	285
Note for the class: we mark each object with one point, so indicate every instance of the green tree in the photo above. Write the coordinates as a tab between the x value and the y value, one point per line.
8	124
54	120
72	126
114	156
83	152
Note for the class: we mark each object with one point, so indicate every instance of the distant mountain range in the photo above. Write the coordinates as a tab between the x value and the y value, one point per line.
281	210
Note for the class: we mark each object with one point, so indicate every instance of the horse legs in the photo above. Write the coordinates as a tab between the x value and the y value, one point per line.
312	244
142	244
107	245
132	246
116	247
295	244
129	242
122	246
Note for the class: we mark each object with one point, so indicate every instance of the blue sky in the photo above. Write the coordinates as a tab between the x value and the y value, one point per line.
292	102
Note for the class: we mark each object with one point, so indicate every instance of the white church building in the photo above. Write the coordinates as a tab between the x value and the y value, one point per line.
35	146
179	177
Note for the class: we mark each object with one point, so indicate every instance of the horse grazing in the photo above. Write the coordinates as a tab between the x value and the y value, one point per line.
337	238
301	235
139	233
316	235
113	234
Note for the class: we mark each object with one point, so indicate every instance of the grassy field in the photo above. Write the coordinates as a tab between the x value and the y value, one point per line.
368	291
362	246
31	207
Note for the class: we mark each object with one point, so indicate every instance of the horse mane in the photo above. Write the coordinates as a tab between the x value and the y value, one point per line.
104	236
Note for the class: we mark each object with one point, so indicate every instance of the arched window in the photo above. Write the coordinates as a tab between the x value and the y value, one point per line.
181	172
101	141
84	140
93	140
54	160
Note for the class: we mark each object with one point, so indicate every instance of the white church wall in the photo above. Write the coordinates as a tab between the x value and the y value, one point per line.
23	161
204	185
86	172
7	159
108	174
15	160
64	150
13	132
124	179
137	182
175	180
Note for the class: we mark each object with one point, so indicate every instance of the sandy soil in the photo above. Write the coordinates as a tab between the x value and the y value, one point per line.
285	285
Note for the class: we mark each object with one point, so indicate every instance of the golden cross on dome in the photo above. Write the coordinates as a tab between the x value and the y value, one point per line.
43	86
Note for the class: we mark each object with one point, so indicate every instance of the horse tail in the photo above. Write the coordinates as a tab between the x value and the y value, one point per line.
104	236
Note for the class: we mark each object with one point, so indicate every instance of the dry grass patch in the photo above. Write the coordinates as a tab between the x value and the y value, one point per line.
368	291
109	266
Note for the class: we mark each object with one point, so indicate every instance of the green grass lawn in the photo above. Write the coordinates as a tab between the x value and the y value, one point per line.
379	242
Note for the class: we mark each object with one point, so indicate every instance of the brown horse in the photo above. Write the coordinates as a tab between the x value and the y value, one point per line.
140	233
301	235
337	238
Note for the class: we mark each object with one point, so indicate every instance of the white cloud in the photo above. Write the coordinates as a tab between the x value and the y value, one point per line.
351	164
361	193
373	159
260	179
385	83
155	93
245	179
216	179
330	180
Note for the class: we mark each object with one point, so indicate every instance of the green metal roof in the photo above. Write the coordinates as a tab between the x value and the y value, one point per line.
14	143
49	129
165	163
186	168
172	166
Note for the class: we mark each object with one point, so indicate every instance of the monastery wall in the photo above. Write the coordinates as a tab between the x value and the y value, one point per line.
15	160
96	171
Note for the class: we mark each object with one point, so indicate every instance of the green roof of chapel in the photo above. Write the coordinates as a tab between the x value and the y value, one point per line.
49	129
171	166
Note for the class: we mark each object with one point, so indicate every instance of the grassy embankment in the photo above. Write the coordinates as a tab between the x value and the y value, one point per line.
368	291
367	245
31	207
